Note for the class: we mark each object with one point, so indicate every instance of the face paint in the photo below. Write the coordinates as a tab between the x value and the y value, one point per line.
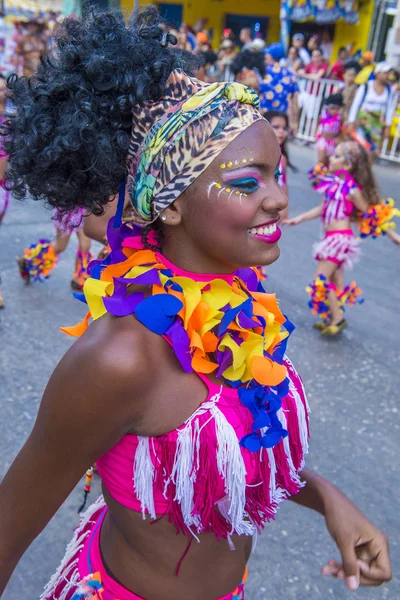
235	163
245	180
225	189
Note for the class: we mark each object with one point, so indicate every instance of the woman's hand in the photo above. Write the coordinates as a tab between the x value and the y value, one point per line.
363	547
293	221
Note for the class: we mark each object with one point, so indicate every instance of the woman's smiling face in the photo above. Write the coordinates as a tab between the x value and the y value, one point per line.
228	218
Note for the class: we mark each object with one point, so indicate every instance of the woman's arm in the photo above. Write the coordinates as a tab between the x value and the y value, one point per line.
363	547
88	405
356	104
320	74
314	213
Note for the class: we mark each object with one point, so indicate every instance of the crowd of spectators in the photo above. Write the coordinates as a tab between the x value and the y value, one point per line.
290	82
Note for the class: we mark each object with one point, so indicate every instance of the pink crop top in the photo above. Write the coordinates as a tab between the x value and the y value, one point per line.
338	191
188	473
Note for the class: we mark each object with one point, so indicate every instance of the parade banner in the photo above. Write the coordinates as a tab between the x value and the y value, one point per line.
321	11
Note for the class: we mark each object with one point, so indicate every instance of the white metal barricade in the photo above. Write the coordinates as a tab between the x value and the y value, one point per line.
311	97
391	147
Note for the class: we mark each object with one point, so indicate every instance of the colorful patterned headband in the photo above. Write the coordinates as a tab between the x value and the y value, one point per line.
175	139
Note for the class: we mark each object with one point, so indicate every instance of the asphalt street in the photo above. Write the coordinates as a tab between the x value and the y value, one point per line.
353	385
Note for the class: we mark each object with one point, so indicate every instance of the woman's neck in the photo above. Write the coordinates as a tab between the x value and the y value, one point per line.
379	86
193	260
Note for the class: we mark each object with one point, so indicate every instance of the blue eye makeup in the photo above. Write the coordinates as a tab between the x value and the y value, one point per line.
245	184
278	173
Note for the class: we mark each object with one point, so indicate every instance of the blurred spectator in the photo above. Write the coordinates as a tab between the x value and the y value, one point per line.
279	89
372	110
246	37
293	61
257	45
367	67
226	56
298	42
313	44
318	67
248	68
12	45
210	66
350	88
337	70
185	29
29	48
326	44
202	42
228	34
183	41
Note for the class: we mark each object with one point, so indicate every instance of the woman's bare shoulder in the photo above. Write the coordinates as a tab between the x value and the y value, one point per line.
108	368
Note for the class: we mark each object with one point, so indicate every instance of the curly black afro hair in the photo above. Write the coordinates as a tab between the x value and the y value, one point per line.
249	59
69	136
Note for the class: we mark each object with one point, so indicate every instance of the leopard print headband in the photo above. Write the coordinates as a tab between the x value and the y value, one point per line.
175	139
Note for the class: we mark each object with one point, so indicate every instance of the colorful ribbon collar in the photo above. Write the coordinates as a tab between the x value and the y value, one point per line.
222	324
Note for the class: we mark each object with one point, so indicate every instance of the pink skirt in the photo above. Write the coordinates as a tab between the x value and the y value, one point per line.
340	247
82	574
328	145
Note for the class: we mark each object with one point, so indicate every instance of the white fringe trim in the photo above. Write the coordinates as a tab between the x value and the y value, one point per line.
143	477
68	569
230	461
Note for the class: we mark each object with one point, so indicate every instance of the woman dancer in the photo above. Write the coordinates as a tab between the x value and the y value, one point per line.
181	377
39	259
350	191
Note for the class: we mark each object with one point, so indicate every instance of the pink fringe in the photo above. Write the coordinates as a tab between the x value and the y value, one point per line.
264	488
345	249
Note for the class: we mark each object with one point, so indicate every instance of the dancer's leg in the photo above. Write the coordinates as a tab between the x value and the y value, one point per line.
328	269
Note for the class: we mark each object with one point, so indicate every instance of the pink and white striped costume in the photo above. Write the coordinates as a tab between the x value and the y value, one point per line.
338	246
331	125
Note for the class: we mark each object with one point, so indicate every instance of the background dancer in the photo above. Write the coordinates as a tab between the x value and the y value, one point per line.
279	122
329	128
350	186
208	396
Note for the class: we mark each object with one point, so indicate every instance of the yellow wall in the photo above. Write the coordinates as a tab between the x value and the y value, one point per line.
358	34
215	10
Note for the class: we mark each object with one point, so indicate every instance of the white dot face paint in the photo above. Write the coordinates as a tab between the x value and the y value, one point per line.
225	190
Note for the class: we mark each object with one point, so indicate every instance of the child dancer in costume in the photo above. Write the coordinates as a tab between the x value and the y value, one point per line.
329	128
350	191
279	122
180	388
39	260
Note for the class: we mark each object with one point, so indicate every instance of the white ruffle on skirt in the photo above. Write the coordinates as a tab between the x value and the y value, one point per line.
341	248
